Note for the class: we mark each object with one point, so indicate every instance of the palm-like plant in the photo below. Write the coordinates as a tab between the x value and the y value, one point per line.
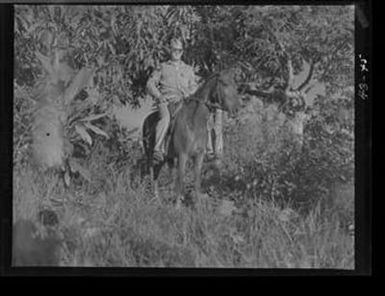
57	122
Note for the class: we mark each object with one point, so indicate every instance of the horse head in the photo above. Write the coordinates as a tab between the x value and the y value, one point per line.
226	94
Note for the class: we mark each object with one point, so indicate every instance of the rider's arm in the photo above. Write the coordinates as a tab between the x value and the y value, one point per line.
152	84
192	82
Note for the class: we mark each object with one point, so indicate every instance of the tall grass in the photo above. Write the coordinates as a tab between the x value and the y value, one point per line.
121	226
267	206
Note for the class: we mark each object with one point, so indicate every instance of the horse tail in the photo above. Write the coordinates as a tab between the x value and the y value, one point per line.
148	133
144	138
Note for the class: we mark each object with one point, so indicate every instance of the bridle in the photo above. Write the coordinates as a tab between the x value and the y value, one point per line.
212	106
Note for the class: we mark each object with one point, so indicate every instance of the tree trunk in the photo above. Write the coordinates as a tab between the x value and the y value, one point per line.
297	124
48	136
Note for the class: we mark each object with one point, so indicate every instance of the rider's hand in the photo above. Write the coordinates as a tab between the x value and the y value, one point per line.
162	99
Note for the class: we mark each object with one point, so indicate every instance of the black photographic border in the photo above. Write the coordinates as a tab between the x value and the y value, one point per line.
363	157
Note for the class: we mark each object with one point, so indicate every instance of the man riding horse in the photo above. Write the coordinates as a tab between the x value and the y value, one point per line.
169	84
189	132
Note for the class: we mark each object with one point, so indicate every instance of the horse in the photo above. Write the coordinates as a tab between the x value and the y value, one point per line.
188	130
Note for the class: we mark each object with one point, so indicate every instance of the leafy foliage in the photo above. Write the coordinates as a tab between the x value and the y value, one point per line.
264	177
126	42
262	161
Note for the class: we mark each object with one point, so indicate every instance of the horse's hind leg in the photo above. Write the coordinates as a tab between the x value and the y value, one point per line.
182	160
154	182
154	173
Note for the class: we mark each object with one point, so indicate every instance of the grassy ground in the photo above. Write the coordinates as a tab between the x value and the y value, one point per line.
250	214
109	222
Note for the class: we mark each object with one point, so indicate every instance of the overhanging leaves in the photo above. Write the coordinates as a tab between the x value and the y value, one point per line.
95	129
80	81
83	133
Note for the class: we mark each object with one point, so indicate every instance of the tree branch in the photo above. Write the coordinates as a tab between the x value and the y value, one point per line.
259	93
308	78
289	82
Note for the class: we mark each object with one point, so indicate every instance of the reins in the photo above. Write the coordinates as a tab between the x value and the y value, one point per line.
210	105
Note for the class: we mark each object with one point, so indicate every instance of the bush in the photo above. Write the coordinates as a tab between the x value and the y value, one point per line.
23	107
261	160
107	222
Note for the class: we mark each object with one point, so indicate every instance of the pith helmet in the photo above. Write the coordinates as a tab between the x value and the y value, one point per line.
176	43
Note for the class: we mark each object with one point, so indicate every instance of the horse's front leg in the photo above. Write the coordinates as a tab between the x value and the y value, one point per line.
172	170
198	162
182	160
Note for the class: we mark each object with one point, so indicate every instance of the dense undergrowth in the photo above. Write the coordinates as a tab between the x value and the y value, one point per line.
268	205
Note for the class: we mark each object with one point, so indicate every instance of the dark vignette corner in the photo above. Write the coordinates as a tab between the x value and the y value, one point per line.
6	127
363	140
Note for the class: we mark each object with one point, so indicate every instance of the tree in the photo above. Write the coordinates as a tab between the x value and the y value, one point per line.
319	36
267	44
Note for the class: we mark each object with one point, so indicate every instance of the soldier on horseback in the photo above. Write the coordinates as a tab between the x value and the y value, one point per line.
169	84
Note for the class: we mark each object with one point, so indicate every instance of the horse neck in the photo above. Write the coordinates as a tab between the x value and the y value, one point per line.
197	104
196	111
202	95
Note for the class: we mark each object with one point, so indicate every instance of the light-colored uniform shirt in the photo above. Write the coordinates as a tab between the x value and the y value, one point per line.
174	80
